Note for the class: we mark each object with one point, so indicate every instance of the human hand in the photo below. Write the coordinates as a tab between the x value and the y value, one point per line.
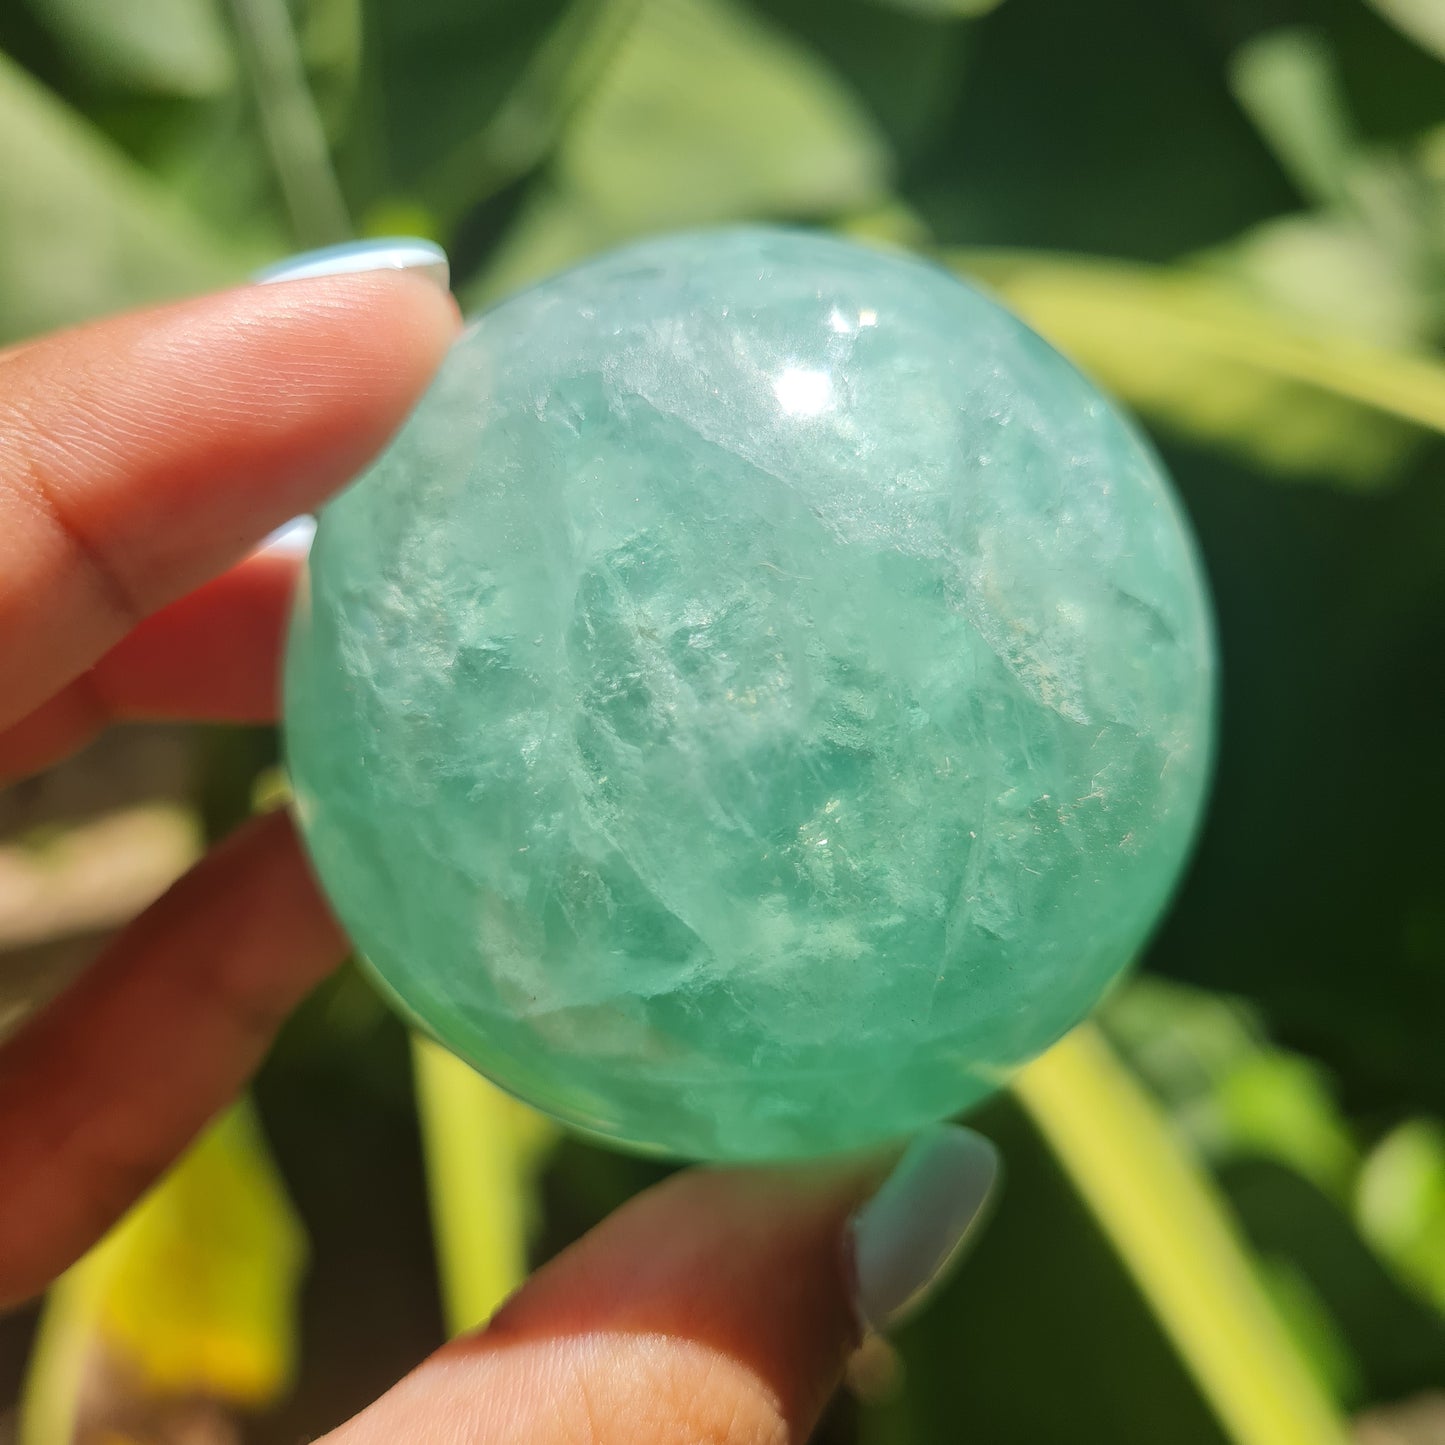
142	460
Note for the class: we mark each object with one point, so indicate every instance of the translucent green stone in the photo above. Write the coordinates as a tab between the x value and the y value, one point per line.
760	699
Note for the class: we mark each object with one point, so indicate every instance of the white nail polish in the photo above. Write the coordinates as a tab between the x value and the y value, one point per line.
394	253
907	1237
294	536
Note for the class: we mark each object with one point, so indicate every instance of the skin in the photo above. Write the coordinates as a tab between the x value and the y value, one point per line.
142	459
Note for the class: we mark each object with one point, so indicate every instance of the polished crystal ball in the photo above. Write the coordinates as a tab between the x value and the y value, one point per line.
761	697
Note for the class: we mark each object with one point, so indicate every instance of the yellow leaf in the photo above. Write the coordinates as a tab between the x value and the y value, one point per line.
1174	1238
483	1151
192	1293
1189	349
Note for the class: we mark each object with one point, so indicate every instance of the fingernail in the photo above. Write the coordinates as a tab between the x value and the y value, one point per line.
394	253
914	1230
293	536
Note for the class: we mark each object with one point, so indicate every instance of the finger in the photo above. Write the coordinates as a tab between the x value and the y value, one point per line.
102	1090
718	1308
212	656
143	455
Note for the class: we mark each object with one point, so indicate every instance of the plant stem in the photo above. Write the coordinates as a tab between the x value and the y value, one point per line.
482	1151
295	137
1170	1232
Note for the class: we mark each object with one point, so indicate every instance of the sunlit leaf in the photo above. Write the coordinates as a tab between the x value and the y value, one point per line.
1267	1122
1367	1336
1422	20
1173	1238
1285	80
83	230
191	1295
176	47
571	59
1311	1326
1368	260
1329	269
437	73
1285	1154
1185	348
1226	1086
1401	1204
906	65
1277	1105
705	114
483	1152
969	8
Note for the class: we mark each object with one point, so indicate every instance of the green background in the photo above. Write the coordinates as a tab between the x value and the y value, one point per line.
1234	215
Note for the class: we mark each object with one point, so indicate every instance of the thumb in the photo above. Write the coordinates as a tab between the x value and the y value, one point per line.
717	1309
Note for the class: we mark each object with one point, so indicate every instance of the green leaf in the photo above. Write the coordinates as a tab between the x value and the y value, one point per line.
571	58
1286	1157
290	122
1328	606
1226	1087
1383	1341
83	230
212	153
1174	1239
1401	1205
1422	20
1277	1105
969	8
1043	1296
1286	82
1312	1326
1330	269
905	65
192	1294
1370	260
1189	351
706	114
435	74
171	47
483	1153
330	36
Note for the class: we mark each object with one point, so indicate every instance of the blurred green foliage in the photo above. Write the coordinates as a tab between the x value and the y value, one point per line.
1234	214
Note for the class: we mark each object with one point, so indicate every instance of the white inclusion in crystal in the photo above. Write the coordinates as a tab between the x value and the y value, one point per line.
802	392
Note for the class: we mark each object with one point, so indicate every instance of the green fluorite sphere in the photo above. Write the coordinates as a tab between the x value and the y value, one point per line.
760	698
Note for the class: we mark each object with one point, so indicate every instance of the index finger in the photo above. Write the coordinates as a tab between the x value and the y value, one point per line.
142	455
